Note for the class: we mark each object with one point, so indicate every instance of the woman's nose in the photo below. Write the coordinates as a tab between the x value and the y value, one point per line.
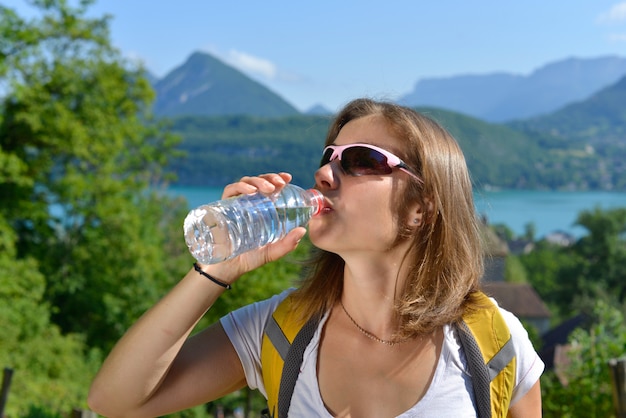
327	176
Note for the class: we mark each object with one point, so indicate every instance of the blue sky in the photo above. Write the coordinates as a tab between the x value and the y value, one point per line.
328	52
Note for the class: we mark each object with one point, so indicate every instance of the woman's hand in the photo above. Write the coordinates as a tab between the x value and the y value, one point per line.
230	270
264	183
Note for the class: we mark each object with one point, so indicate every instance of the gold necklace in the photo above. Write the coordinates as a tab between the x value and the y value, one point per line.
368	334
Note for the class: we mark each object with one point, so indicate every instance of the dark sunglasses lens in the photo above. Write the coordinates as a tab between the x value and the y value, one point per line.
326	157
360	161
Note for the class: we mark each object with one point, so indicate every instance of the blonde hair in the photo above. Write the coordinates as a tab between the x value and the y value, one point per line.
445	261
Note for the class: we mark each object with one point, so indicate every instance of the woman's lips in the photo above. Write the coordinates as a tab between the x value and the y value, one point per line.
327	208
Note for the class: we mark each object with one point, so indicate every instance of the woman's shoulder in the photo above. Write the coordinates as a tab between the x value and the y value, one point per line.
520	340
258	311
485	307
516	327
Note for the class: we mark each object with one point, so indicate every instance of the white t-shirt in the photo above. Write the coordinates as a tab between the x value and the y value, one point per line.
450	393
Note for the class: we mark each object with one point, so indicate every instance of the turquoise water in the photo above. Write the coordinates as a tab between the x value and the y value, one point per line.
548	211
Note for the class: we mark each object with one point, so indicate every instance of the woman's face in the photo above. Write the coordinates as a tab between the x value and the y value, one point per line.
360	216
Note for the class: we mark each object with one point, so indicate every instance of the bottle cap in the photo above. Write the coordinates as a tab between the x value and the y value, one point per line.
317	200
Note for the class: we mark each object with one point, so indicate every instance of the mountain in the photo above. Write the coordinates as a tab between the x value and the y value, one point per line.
227	147
600	119
318	109
204	85
501	97
596	127
579	147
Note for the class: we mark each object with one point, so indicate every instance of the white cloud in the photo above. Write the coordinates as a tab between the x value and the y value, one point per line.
256	67
616	14
251	64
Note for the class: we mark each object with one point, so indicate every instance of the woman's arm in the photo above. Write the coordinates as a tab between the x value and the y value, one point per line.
529	406
139	369
155	368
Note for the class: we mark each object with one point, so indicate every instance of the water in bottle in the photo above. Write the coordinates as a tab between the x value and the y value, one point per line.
226	228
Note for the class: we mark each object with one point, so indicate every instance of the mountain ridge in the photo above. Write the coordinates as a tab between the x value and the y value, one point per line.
596	119
578	146
203	85
502	97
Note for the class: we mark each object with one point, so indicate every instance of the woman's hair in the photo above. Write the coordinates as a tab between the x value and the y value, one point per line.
445	262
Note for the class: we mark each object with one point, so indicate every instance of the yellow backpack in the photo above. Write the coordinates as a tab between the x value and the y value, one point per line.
484	336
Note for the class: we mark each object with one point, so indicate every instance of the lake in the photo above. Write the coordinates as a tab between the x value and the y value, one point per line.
549	211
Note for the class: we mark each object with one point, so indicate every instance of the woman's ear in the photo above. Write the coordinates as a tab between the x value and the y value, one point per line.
417	215
416	219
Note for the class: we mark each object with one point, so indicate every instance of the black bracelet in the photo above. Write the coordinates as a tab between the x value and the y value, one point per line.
197	268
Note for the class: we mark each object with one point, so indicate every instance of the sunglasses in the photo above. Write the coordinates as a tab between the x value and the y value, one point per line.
364	159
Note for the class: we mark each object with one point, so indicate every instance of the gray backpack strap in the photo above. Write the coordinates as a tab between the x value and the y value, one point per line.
482	374
277	337
501	359
477	369
292	354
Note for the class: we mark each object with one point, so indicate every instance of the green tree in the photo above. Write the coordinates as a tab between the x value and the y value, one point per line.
76	124
503	231
582	388
86	234
604	251
514	271
543	268
530	231
51	370
567	278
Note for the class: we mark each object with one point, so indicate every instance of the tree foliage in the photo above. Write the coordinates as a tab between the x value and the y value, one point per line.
603	251
583	387
51	370
569	279
77	121
588	277
222	149
88	239
497	155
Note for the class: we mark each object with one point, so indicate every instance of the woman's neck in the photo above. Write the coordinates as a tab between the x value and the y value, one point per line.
370	290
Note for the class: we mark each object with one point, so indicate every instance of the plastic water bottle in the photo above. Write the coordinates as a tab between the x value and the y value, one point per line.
227	228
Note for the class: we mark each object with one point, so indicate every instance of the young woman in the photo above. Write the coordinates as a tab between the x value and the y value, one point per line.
398	264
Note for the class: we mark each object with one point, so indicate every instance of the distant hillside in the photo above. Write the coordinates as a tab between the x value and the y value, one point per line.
204	85
222	149
596	125
229	131
599	119
503	97
501	157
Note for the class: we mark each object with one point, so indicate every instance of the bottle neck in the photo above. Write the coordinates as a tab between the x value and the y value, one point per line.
317	200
